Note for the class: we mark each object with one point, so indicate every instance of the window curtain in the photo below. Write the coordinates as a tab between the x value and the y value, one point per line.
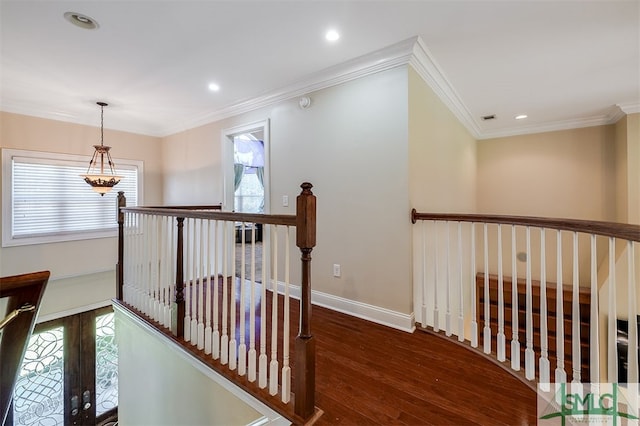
260	175
238	172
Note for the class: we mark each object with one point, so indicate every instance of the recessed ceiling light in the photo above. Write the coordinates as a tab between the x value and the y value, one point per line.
82	21
521	116
214	87
332	35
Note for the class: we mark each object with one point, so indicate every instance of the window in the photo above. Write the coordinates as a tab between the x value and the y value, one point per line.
249	197
45	200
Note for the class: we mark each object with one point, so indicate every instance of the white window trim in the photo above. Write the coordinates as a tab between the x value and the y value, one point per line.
7	197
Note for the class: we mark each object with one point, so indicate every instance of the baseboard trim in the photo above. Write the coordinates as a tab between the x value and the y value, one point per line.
365	311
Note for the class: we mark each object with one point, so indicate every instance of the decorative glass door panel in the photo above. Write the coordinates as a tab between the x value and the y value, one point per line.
106	365
70	372
39	392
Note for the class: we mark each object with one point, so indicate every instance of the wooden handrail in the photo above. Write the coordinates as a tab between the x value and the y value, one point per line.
268	219
191	207
608	229
21	291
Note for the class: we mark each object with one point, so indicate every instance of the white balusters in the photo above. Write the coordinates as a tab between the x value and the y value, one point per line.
208	272
472	283
632	349
224	339
213	284
561	374
242	348
202	273
436	313
262	360
216	311
529	359
575	315
487	305
545	367
168	261
612	347
194	284
501	336
460	287
447	282
286	369
252	313
188	280
594	338
423	287
233	360
273	365
515	308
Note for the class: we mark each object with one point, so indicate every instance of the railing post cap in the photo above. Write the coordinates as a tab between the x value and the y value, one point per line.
306	187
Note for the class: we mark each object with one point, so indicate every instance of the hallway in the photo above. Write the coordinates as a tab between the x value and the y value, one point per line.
371	374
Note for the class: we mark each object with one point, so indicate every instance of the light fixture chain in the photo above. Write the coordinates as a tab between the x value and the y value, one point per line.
101	125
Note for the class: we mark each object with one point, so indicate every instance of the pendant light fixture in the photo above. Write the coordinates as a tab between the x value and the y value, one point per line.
100	181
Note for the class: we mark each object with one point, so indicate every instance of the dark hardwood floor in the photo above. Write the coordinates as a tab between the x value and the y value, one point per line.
371	374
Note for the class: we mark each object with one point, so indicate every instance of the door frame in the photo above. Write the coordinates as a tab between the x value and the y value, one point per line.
227	162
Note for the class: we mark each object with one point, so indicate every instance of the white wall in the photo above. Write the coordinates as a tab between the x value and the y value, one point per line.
351	144
82	272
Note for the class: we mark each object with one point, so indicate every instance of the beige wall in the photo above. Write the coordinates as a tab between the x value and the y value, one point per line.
351	144
442	171
568	174
192	166
621	167
442	154
633	168
76	266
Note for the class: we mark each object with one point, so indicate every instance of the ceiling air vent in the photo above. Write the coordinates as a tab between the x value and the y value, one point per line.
488	117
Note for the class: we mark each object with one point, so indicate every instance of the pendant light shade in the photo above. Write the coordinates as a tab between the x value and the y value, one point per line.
100	181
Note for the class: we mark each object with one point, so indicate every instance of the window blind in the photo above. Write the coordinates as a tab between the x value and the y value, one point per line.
50	198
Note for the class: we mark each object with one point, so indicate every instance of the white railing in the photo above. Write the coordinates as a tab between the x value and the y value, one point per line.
535	293
207	277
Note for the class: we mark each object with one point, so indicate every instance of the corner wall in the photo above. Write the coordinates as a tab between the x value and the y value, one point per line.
351	144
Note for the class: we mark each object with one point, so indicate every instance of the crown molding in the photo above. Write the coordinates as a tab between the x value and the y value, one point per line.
615	114
412	51
548	127
629	107
380	60
426	66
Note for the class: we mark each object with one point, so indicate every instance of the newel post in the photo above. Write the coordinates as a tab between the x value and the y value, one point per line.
305	346
121	203
178	312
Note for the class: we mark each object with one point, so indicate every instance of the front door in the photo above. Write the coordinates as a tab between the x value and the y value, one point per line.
69	375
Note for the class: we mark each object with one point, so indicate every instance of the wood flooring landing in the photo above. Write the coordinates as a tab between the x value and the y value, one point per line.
370	374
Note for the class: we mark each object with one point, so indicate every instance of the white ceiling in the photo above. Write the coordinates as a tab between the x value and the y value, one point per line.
564	63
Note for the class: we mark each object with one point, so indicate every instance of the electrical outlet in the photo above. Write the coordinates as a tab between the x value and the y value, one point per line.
336	270
285	201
